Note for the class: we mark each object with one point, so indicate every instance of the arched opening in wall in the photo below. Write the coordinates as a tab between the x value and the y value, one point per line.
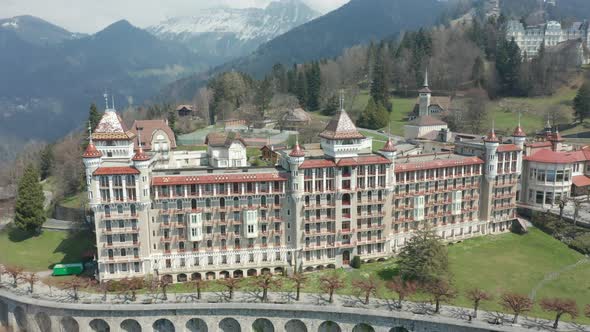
224	274
168	278
43	321
193	204
381	260
362	327
163	325
329	326
3	314
370	261
21	319
252	273
331	266
69	324
99	325
229	325
295	325
346	199
238	274
196	276
263	325
309	269
319	267
346	257
210	275
130	325
278	270
399	329
265	270
181	277
196	325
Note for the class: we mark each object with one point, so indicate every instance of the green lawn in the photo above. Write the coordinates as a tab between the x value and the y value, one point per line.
76	201
39	253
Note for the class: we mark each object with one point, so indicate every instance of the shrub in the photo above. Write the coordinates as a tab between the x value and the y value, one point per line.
356	262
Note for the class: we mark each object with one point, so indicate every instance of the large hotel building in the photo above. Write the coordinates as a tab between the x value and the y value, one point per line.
208	214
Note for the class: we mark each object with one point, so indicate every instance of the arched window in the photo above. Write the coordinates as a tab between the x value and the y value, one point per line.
123	252
370	196
277	240
209	243
107	210
328	198
250	201
165	205
380	194
222	202
237	243
208	202
133	209
110	253
263	200
278	200
318	200
179	205
223	243
120	209
181	245
264	241
193	204
306	201
236	202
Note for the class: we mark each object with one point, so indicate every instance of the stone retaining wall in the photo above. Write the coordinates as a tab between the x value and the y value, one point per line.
69	214
28	314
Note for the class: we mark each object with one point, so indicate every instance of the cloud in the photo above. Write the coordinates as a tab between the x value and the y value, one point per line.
93	15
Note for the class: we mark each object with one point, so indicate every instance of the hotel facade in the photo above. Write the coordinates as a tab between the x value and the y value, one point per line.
207	214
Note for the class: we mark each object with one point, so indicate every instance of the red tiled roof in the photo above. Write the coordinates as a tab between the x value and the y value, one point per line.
428	120
149	128
317	163
558	157
363	160
140	155
441	163
508	148
518	132
91	151
539	144
581	181
218	178
223	140
297	151
389	146
492	137
116	170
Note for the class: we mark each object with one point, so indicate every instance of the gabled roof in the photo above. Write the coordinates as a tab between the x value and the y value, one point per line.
341	127
148	129
223	140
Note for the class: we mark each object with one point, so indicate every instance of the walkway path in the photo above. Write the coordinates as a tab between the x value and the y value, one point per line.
555	275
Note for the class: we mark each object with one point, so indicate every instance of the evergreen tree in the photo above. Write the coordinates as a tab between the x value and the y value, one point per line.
424	258
29	212
301	89
46	162
263	96
582	102
367	115
93	116
508	62
380	84
292	80
314	81
332	106
374	116
172	122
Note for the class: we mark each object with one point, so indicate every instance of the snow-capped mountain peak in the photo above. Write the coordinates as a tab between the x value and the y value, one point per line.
234	32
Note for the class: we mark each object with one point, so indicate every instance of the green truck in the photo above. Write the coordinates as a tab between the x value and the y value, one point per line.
68	269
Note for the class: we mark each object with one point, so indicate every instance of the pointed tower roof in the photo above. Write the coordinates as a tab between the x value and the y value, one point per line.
389	146
91	151
492	138
518	131
112	127
425	88
341	127
140	155
556	137
297	151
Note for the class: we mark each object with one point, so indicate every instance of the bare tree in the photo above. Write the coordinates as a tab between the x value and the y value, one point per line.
476	112
265	282
577	207
15	272
477	295
299	280
104	288
30	278
132	285
74	284
330	283
517	303
164	283
198	285
366	287
560	307
231	284
561	202
441	291
403	288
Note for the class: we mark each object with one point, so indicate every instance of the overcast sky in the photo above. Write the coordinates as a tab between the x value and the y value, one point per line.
90	16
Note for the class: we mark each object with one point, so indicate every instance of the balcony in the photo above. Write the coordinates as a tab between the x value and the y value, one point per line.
121	244
126	230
